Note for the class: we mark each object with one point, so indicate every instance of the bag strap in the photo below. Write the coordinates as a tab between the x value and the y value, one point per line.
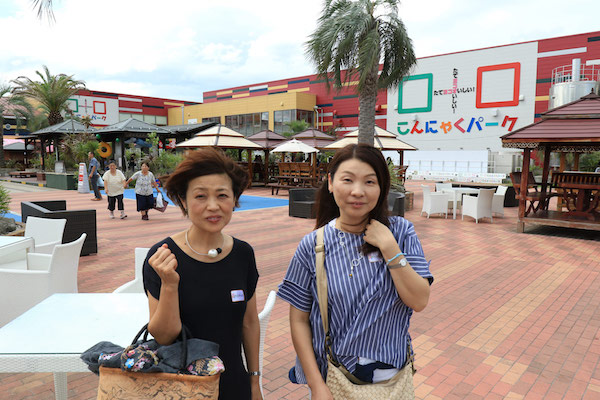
321	276
185	333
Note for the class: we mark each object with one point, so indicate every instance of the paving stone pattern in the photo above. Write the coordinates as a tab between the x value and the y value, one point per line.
512	316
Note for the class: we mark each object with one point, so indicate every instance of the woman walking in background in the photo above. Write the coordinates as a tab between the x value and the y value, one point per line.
114	182
144	182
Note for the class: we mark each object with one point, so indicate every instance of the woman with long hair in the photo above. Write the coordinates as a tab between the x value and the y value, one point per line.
376	272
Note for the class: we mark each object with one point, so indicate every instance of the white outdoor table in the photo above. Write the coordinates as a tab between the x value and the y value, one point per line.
51	336
13	248
457	194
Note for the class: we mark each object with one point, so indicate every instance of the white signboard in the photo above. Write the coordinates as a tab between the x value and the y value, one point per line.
83	185
103	111
465	101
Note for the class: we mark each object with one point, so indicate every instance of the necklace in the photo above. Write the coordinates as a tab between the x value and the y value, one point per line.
354	262
212	253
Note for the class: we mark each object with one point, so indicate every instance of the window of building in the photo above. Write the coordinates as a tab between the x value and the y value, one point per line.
248	124
161	120
151	119
212	119
283	118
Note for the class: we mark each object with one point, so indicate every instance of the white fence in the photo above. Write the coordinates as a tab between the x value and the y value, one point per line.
481	177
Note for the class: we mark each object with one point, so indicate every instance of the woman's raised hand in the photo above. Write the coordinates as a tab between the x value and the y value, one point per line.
379	235
165	264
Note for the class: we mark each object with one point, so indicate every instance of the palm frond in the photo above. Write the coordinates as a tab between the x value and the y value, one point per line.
44	8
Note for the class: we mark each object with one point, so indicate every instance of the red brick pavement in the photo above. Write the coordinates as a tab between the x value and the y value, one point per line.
511	315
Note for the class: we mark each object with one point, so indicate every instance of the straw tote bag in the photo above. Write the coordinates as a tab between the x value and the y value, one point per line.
116	384
341	383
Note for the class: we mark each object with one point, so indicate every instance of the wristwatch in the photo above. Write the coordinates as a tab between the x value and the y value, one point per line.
254	373
401	263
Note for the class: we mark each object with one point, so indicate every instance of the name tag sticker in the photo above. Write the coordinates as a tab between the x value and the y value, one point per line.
374	257
237	295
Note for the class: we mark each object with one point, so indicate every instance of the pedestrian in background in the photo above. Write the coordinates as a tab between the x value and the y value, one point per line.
114	185
93	169
144	182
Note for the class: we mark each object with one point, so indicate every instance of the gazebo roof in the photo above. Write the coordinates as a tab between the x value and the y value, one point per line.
267	139
132	125
189	129
315	138
571	127
67	126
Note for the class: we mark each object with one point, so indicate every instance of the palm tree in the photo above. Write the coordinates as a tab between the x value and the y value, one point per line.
52	92
44	7
14	105
356	36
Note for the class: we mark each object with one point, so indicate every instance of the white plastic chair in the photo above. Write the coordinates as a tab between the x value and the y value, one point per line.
434	203
46	233
498	201
480	206
41	276
440	186
137	284
263	318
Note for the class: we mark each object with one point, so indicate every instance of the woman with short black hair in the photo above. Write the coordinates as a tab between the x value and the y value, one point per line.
205	279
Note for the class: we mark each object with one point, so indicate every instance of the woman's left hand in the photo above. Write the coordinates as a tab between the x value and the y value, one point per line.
379	235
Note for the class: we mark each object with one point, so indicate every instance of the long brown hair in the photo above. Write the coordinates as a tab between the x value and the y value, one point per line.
327	209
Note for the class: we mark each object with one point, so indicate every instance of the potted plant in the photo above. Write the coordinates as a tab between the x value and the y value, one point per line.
8	226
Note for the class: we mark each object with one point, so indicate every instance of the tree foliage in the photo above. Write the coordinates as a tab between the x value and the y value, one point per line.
51	91
13	105
352	38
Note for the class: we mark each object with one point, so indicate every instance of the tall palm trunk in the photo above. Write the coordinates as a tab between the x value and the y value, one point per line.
2	143
367	100
54	118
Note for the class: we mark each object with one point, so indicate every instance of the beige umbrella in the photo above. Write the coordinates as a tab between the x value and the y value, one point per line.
384	140
219	136
294	146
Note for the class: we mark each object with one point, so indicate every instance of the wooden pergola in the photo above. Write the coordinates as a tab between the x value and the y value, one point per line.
571	128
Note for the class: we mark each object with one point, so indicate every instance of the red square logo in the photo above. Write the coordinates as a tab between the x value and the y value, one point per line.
516	85
99	107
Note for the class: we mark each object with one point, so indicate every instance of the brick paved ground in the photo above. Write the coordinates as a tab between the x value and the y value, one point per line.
510	316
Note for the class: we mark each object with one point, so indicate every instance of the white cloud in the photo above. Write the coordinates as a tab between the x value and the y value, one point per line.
180	48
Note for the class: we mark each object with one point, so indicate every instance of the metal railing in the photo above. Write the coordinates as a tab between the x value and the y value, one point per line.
565	73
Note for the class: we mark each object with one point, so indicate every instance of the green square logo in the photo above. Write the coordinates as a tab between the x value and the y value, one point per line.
401	109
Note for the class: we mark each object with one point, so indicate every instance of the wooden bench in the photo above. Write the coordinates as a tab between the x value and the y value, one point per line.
22	174
537	200
276	186
580	191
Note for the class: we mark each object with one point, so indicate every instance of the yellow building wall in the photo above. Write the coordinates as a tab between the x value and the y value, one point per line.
244	105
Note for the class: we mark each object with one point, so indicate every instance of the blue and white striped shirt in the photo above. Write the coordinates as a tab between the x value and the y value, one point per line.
367	318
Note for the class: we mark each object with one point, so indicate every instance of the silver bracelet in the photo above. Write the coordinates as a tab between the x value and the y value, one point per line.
254	373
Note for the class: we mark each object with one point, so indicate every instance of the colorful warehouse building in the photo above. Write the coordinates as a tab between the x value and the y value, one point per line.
453	107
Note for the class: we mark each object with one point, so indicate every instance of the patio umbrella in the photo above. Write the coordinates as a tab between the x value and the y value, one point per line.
384	140
314	137
267	139
294	146
219	136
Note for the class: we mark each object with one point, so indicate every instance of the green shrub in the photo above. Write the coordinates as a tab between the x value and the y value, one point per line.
4	200
589	161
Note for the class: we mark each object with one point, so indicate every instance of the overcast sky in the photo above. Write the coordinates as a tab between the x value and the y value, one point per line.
180	48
